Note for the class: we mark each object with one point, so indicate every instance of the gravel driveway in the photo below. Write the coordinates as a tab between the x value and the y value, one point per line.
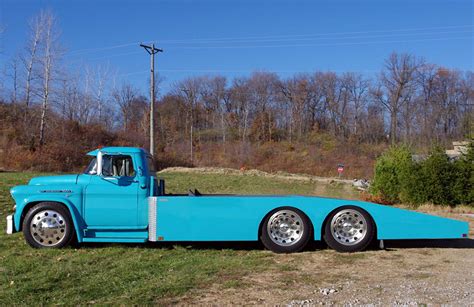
416	272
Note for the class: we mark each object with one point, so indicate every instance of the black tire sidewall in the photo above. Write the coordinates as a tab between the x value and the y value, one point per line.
69	227
360	246
298	246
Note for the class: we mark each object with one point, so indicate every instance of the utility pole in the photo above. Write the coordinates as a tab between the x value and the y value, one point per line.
152	51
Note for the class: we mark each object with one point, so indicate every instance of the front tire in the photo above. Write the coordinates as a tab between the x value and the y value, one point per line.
286	230
349	229
48	225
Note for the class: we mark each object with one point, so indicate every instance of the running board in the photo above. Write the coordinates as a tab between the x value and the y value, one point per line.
115	240
115	234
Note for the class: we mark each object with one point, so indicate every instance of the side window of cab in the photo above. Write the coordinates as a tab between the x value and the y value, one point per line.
117	166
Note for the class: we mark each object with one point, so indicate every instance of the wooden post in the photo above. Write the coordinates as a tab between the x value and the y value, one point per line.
151	51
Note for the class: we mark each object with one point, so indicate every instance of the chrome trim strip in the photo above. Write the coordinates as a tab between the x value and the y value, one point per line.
10	224
55	191
152	218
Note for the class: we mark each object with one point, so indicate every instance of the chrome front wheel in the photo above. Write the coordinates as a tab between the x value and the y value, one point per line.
48	228
48	225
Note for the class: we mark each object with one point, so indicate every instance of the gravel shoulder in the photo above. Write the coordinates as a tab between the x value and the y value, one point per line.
416	272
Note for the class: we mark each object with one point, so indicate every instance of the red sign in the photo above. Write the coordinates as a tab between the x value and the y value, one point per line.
340	169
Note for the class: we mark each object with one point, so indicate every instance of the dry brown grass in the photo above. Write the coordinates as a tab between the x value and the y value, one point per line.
438	209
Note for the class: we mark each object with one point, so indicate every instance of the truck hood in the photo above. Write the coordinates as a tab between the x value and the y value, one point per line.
61	179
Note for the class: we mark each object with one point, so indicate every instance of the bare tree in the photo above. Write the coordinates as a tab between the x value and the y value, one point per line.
316	104
70	98
13	73
396	87
51	54
30	59
336	99
357	88
190	91
449	97
372	124
301	96
96	83
426	79
238	105
263	95
214	94
125	97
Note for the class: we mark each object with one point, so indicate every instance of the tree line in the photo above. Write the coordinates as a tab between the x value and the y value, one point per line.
409	101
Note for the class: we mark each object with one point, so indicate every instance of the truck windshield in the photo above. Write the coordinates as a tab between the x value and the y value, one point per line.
91	169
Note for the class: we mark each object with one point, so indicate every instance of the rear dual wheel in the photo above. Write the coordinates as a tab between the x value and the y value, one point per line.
349	229
288	230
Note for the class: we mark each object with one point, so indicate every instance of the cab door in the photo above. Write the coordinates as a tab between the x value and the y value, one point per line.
112	198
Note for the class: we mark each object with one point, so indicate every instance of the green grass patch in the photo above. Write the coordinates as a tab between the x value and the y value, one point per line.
135	274
249	184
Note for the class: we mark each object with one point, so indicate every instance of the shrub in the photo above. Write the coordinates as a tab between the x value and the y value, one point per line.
464	183
412	185
390	170
438	177
436	180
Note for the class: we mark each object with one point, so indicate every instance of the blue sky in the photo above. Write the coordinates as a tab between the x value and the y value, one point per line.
234	38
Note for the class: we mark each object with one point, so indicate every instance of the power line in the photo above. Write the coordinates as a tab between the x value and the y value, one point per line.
311	36
217	71
346	38
323	45
291	45
79	51
197	40
106	57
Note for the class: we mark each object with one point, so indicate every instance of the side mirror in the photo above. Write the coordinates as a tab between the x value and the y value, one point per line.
99	163
141	178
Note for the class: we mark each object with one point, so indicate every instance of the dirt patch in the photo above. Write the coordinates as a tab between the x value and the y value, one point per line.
405	273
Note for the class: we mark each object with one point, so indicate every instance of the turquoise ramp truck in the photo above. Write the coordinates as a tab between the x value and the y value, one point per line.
119	199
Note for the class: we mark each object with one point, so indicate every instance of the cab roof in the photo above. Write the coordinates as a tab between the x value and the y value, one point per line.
118	150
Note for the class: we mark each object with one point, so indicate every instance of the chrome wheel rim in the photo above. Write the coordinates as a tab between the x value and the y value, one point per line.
285	227
48	228
348	227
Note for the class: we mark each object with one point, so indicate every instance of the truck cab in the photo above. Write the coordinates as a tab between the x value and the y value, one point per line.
107	202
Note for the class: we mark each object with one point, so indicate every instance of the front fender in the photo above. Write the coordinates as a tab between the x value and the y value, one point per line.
76	217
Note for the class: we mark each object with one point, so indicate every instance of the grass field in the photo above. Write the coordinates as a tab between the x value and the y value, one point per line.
123	274
226	273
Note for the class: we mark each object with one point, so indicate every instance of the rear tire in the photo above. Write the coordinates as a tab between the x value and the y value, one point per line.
286	230
48	225
349	229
